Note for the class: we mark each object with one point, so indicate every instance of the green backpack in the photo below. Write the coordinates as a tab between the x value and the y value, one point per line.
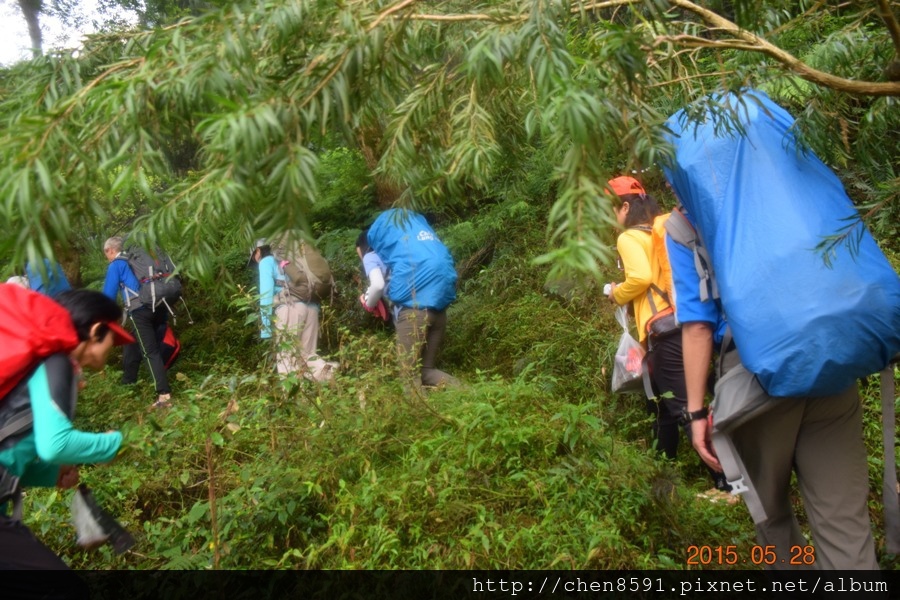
308	276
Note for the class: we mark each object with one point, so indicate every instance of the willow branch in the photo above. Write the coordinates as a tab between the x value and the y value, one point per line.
458	18
890	21
604	4
692	41
690	77
784	26
758	44
73	102
397	7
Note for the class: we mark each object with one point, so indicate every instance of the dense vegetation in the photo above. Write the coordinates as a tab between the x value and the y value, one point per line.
502	120
534	464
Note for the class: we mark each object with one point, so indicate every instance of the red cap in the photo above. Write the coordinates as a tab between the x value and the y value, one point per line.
120	336
625	185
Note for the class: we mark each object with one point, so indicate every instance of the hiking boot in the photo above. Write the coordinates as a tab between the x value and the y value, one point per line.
163	401
716	496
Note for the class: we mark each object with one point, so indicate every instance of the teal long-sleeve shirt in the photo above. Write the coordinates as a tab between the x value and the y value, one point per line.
270	276
53	440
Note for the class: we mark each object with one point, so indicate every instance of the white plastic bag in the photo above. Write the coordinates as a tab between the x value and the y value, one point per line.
94	525
629	361
90	532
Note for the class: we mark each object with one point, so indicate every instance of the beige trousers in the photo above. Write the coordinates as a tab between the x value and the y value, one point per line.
820	439
296	335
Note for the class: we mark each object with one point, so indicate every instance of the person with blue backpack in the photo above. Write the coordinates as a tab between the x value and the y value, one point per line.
55	283
792	333
407	263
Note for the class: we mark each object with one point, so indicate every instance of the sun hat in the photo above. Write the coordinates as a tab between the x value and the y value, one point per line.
624	185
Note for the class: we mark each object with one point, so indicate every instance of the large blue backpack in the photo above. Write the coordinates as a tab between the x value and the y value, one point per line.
806	323
422	273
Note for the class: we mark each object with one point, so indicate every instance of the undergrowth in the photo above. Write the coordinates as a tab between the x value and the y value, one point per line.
531	464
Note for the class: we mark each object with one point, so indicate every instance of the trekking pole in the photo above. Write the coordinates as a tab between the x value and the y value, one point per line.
190	318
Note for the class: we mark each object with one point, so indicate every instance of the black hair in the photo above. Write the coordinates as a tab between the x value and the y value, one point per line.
87	307
642	209
362	242
264	251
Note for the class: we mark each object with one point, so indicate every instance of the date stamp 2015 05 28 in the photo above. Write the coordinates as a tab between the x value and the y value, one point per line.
757	555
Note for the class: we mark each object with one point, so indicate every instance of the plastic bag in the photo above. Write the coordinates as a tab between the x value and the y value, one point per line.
628	369
94	525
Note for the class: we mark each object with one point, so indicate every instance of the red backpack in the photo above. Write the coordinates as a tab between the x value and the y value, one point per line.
32	327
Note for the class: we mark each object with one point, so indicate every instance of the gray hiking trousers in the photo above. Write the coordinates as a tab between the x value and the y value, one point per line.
420	334
821	440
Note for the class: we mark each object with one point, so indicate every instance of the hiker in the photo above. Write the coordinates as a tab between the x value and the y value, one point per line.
84	329
295	321
407	264
636	211
56	282
149	325
768	423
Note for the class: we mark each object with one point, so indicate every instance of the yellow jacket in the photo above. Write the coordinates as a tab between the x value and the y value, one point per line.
634	248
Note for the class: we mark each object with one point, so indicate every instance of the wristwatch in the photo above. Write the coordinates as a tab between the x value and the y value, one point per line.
694	415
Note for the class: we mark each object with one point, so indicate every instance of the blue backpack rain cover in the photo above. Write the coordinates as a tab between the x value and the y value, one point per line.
56	282
761	206
422	273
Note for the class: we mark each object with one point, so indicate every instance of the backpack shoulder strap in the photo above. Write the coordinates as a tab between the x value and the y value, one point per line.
653	287
680	230
130	297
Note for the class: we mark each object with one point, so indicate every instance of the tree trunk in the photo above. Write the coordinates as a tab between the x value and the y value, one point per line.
369	139
31	10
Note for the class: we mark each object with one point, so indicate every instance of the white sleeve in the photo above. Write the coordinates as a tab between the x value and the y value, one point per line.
376	287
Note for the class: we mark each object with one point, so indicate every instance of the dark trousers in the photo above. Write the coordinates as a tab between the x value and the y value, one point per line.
19	549
23	560
666	364
22	555
149	329
667	371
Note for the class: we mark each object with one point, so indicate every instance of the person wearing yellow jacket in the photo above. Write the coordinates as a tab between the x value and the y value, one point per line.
635	212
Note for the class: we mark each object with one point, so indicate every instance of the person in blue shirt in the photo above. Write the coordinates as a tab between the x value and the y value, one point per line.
817	438
149	324
56	282
47	453
295	322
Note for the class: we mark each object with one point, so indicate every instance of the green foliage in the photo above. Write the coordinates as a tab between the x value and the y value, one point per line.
216	121
532	464
347	192
257	118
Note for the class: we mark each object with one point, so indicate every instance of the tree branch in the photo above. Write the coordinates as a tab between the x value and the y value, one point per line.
890	21
754	43
692	41
691	77
456	18
604	4
850	86
397	7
